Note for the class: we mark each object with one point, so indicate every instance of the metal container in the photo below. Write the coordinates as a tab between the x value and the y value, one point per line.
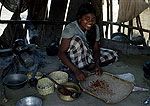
69	86
29	101
15	81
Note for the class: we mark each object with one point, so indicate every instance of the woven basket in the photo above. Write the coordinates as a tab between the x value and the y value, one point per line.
59	76
107	87
37	76
45	86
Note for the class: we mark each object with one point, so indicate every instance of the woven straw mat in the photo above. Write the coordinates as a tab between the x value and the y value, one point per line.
107	87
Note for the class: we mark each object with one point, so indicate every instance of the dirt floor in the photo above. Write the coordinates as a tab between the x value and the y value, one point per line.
126	64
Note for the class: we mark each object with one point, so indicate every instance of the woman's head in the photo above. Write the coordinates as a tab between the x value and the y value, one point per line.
86	16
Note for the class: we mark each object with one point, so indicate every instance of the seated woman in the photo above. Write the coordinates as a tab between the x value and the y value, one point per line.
79	47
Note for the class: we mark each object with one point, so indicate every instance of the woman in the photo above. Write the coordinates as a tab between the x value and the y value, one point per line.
79	49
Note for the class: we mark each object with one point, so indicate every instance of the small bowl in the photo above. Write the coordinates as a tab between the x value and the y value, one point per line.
69	86
37	76
29	101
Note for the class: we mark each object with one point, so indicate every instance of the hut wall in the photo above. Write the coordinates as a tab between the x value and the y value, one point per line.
57	14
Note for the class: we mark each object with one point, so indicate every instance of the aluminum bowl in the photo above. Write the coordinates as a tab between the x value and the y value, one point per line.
29	101
15	81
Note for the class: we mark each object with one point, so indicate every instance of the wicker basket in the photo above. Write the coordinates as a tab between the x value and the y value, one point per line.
37	76
45	86
107	87
59	76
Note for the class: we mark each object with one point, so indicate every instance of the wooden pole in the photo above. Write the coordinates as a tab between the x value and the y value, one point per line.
130	31
111	17
107	26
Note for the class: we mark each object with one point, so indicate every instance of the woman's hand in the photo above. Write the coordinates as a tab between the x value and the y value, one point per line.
80	75
98	70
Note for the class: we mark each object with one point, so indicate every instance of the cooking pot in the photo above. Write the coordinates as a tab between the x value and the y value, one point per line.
52	49
62	94
121	37
15	81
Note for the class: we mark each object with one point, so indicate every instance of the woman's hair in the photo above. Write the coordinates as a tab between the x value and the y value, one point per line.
85	9
91	34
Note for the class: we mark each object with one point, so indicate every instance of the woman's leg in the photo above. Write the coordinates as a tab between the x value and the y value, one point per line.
108	56
107	62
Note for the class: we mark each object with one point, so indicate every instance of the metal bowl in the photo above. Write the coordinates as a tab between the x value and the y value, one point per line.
69	86
29	101
15	81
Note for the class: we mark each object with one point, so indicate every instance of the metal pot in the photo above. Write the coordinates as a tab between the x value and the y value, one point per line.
70	86
15	81
121	37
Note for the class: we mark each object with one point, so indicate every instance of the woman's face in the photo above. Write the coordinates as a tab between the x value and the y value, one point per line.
87	21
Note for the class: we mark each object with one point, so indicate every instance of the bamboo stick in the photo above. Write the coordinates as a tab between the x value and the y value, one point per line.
111	17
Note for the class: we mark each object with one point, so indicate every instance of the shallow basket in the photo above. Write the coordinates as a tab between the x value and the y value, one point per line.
107	87
45	86
59	76
37	76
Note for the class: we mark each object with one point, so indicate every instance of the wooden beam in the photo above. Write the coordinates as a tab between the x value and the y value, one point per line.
127	26
34	21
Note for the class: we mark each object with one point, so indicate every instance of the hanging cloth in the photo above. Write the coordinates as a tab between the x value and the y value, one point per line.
129	9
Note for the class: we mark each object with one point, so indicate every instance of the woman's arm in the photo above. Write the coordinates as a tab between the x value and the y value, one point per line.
96	56
96	53
62	54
